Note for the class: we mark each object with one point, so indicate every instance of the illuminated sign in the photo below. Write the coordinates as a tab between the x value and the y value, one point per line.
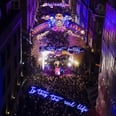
51	5
55	98
74	49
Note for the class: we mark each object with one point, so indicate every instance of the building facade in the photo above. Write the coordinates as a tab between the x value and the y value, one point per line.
91	17
28	8
10	55
16	4
106	101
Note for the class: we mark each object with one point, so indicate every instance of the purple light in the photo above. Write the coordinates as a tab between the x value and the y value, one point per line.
56	98
68	103
82	108
33	90
42	93
51	5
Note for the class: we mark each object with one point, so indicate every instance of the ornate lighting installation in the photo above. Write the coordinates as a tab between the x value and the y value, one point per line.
51	5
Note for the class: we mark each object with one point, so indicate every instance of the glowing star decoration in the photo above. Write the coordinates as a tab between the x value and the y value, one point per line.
55	98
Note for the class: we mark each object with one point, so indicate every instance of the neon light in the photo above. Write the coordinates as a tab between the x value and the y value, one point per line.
42	93
68	103
70	49
56	98
51	5
82	108
33	90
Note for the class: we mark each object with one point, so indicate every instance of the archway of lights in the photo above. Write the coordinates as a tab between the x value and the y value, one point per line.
58	23
58	44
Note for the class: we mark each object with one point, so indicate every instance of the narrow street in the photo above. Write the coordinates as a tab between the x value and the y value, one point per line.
58	79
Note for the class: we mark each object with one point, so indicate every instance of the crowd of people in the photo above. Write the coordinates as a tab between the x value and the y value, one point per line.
72	88
55	39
